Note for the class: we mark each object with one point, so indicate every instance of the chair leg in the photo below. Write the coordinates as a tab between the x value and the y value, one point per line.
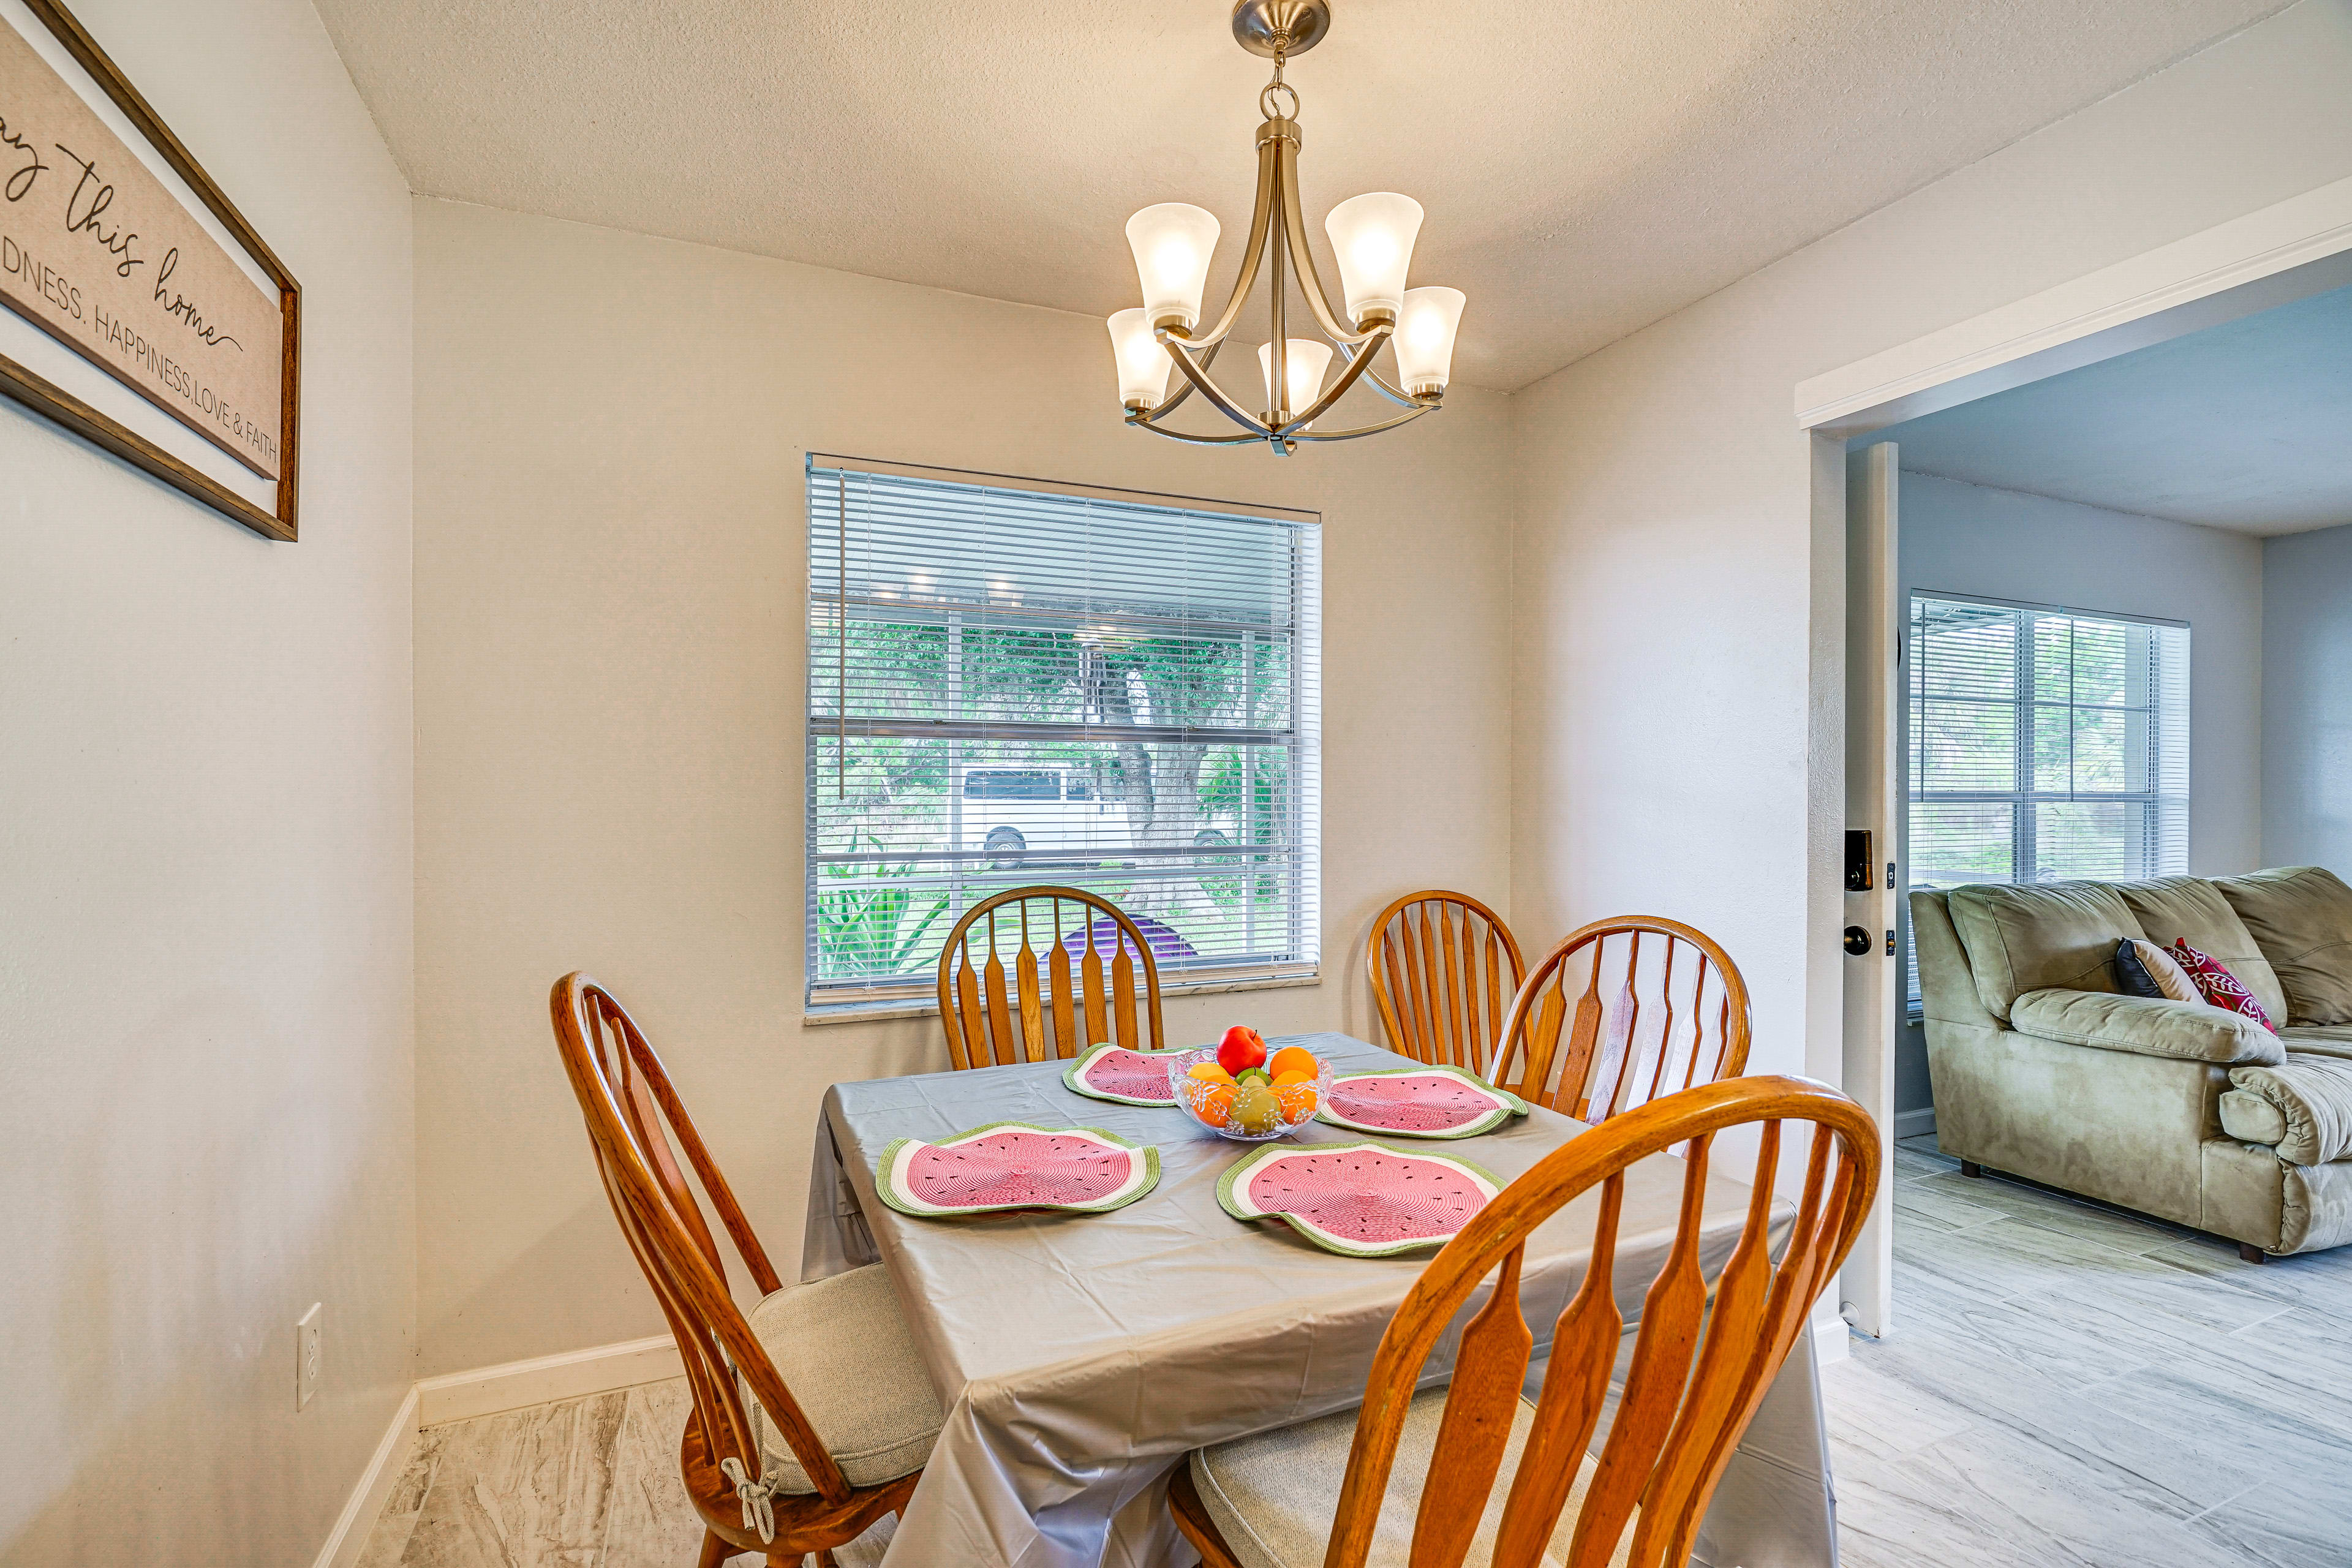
2253	1254
1971	1170
1194	1521
715	1551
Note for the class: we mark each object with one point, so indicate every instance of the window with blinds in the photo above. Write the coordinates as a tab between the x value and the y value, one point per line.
1013	683
2044	744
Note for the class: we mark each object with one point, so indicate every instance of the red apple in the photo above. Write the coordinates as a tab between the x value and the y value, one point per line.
1241	1048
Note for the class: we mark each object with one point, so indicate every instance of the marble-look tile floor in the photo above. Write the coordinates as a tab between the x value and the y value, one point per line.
2067	1386
2071	1386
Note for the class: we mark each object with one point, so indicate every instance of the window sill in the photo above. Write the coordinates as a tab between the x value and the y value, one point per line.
821	1014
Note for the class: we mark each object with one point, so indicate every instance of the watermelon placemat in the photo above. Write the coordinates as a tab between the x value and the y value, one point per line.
1419	1102
1360	1200
1015	1165
1122	1076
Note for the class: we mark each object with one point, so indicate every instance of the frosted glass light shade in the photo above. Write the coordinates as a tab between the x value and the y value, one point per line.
1424	338
1173	242
1143	364
1304	367
1372	236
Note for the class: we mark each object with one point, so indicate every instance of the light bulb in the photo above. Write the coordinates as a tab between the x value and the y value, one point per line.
1143	364
1172	244
1424	338
1303	367
1373	237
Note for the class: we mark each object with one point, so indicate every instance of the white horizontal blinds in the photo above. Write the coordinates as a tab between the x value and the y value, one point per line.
1011	685
2044	744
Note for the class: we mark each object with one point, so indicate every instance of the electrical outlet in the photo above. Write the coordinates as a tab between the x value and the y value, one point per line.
305	1353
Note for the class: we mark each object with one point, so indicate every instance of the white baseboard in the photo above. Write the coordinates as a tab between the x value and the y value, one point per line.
487	1390
1912	1123
1833	1342
357	1521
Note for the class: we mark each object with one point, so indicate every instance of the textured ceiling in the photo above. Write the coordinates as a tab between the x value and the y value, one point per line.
2246	425
1588	165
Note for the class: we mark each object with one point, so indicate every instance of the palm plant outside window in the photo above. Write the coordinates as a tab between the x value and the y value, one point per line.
1014	683
2044	744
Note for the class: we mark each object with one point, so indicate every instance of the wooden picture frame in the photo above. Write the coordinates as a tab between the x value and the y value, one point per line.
23	385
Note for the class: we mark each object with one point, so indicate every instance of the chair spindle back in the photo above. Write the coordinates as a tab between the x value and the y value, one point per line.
1070	981
1702	1360
626	1095
1620	1012
1444	969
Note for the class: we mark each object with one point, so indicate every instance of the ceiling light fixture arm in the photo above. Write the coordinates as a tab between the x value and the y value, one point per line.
1338	389
1302	259
1261	218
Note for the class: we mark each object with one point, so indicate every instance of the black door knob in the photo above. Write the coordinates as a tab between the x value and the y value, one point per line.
1857	940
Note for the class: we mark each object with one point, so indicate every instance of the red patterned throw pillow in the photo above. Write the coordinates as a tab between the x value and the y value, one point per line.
2222	988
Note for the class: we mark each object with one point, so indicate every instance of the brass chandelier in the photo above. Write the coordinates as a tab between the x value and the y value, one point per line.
1371	236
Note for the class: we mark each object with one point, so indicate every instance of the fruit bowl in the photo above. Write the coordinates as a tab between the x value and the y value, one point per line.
1226	1108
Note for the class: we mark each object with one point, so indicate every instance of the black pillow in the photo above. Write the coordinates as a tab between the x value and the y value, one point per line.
2132	974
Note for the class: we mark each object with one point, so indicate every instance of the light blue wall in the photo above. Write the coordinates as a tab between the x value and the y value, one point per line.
2307	699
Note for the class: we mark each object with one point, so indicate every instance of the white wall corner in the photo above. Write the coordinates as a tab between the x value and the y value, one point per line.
365	1506
575	1374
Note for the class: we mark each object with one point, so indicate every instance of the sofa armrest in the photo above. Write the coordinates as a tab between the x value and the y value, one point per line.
2187	1031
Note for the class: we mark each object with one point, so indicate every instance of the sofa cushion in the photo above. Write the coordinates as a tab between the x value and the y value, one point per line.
2188	1031
2189	908
2144	969
2221	988
2055	935
2301	917
2303	1106
2319	1039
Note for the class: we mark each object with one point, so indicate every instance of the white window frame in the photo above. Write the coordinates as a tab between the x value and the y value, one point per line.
915	996
2023	862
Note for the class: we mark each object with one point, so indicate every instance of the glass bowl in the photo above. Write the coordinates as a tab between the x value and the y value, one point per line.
1294	1111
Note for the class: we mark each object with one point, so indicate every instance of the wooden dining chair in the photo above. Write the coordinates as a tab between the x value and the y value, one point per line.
768	1469
1622	1011
1444	969
1055	971
1414	1474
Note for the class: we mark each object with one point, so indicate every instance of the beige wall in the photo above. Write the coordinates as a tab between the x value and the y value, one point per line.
610	571
205	963
1678	599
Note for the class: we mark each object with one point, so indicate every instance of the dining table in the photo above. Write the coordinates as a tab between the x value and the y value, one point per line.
1079	1357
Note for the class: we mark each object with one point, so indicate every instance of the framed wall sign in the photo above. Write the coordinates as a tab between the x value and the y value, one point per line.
142	311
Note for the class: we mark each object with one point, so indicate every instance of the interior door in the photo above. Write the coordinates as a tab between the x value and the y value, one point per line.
1873	974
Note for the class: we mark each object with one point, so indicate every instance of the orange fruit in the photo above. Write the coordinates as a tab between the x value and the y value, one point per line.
1216	1107
1297	1100
1294	1060
1210	1072
1283	1080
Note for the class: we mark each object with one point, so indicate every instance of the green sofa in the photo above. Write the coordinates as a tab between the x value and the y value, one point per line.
2045	1069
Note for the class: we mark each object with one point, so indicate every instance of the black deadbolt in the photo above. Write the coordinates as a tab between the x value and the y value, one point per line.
1857	940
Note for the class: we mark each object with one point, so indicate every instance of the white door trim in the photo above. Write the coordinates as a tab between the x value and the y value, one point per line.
2297	247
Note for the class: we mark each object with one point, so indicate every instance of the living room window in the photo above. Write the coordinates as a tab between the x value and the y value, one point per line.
2044	744
1014	683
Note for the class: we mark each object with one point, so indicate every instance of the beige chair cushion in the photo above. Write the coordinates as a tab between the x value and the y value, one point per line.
2145	1025
2192	910
2301	917
843	1349
2052	936
2302	1107
1273	1495
2319	1039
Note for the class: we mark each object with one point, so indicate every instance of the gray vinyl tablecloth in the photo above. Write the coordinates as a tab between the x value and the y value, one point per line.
1079	1357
